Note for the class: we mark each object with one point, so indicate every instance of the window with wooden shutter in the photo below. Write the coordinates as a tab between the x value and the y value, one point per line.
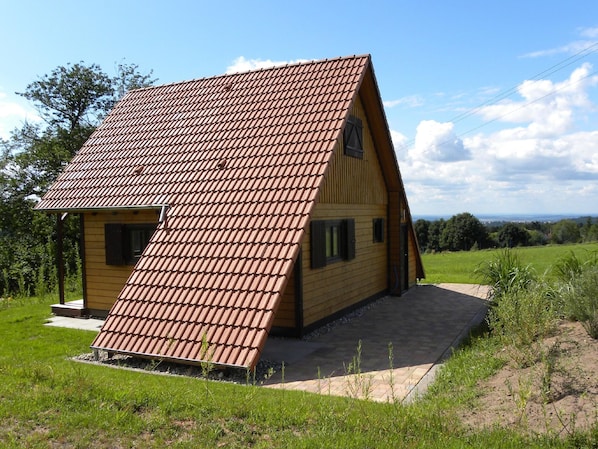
332	241
353	137
125	243
378	230
113	241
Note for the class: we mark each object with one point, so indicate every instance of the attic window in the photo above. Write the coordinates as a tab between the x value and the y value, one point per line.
353	137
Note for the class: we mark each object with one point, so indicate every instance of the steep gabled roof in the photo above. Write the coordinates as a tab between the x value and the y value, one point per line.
238	159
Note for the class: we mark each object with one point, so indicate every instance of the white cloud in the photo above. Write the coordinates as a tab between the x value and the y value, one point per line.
589	33
547	107
411	101
542	160
13	113
244	65
586	45
399	140
438	142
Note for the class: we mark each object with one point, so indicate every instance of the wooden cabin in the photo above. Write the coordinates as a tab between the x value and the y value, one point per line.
228	208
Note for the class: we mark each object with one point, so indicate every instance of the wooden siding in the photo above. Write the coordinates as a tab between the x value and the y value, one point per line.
104	282
351	180
344	283
353	188
394	235
285	315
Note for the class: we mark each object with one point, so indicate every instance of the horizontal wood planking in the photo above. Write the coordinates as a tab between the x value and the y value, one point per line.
285	315
344	283
104	282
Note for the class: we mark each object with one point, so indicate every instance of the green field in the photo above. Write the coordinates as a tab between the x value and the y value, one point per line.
459	267
48	400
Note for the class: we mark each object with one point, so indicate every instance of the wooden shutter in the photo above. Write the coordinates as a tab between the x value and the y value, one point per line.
113	240
353	137
348	239
378	230
318	244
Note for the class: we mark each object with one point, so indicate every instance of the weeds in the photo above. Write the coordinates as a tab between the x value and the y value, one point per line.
505	274
359	385
580	299
520	319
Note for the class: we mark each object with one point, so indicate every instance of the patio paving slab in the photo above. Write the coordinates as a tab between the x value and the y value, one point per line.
422	326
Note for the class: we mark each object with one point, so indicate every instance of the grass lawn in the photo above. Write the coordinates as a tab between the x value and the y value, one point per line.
459	267
48	400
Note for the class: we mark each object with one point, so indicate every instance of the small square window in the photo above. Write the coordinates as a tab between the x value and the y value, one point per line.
378	230
136	239
332	241
126	242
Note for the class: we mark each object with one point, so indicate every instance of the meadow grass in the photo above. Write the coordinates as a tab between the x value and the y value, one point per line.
49	400
459	267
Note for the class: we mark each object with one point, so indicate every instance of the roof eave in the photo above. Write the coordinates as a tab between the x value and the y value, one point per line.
79	210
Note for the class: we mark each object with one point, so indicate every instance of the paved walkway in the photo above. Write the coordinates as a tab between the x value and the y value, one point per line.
423	326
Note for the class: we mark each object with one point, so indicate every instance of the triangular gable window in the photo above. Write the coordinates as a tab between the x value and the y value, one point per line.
353	137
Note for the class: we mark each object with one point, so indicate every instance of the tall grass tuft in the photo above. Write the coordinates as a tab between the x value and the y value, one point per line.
580	299
505	274
520	319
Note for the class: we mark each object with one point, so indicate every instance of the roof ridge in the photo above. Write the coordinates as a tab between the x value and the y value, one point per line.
262	69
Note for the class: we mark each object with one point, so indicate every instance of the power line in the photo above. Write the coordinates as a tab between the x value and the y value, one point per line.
507	93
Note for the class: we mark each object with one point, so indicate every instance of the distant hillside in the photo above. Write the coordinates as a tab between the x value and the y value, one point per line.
515	218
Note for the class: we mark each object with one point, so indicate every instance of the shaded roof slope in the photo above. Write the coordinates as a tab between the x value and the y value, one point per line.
238	159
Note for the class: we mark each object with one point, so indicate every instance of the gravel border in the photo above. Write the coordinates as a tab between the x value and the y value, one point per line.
263	371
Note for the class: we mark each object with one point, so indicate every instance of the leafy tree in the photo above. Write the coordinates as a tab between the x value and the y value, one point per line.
421	231
435	234
72	100
72	97
589	231
128	78
565	231
461	232
511	235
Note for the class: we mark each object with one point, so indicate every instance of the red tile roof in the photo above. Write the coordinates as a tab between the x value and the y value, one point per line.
238	159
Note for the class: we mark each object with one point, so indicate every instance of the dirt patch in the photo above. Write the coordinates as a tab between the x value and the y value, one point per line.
556	395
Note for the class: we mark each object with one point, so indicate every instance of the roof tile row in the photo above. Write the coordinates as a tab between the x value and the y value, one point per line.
239	160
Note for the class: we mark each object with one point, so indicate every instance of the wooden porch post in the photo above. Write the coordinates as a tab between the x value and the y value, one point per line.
59	256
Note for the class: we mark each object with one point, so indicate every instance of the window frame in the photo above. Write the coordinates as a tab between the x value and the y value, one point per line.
345	229
119	240
378	230
132	254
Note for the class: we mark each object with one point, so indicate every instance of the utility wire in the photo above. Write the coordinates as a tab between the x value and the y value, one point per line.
507	93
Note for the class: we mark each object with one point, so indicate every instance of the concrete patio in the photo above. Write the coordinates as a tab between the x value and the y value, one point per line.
423	326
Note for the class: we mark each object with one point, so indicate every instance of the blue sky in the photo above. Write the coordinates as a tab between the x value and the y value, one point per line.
492	106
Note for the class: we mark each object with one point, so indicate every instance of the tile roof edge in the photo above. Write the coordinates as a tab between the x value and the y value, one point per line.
161	357
52	210
264	69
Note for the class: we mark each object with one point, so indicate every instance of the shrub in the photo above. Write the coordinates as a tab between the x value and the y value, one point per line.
520	318
580	299
505	274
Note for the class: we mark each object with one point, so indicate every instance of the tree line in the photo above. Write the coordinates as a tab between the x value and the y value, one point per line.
465	232
71	100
